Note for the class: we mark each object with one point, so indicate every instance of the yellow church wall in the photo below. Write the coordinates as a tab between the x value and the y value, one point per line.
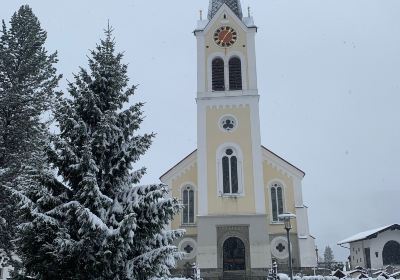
271	174
189	176
242	137
239	46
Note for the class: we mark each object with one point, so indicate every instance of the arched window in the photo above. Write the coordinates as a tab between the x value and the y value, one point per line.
235	74
218	74
276	201
230	172
188	205
391	253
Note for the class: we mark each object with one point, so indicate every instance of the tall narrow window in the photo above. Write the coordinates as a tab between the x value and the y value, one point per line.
276	201
188	205
218	75
235	74
230	172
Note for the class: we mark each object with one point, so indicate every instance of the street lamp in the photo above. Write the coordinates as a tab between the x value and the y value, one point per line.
286	217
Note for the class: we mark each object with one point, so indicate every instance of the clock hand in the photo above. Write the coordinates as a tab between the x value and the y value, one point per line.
223	40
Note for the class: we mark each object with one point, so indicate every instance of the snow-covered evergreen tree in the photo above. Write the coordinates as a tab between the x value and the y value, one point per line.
27	83
328	256
94	221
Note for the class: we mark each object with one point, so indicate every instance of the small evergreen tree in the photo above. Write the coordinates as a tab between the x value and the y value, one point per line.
27	88
95	222
328	256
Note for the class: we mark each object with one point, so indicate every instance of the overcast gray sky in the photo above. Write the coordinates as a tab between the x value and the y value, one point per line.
329	80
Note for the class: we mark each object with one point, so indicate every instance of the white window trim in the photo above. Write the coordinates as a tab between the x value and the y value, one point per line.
269	188
192	187
220	186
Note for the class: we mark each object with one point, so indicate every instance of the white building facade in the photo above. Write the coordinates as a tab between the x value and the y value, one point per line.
375	248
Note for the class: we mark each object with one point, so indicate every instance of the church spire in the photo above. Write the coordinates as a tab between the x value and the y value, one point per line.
215	5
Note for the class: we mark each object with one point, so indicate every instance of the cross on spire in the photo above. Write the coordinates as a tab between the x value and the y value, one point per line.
215	5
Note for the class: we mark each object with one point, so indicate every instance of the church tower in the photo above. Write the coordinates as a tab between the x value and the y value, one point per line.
231	192
227	110
233	188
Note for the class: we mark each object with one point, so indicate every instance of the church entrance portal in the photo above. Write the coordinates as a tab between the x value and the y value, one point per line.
234	254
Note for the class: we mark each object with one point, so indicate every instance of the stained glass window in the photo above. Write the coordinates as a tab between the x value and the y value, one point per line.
191	206
277	203
226	175
274	205
188	205
230	172
234	175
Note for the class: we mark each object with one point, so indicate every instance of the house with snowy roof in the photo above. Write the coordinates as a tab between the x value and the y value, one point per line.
233	189
375	248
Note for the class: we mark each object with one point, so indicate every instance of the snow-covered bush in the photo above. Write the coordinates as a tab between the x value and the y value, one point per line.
282	276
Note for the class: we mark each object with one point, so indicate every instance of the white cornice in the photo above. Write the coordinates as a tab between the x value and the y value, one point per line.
282	165
224	101
179	169
222	94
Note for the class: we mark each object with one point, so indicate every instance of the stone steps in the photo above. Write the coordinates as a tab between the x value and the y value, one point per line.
234	275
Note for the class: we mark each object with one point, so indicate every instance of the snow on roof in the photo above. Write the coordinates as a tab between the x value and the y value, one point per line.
395	274
368	234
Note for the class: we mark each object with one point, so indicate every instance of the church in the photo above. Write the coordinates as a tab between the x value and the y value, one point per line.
233	189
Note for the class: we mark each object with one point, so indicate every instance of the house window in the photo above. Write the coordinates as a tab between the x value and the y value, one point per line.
276	201
235	74
188	205
218	74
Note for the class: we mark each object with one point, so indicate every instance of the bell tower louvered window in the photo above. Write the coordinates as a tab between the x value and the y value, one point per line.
235	74
218	75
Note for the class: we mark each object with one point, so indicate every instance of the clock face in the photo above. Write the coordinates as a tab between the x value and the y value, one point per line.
225	36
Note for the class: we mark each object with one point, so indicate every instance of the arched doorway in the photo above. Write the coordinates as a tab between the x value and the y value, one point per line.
391	253
234	254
